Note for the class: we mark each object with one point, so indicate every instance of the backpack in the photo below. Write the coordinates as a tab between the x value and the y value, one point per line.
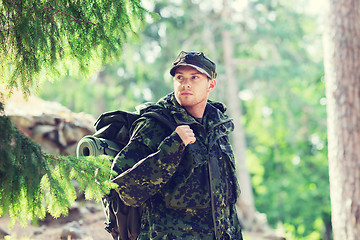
111	136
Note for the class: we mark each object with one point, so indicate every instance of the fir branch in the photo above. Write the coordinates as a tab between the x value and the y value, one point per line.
74	19
37	46
32	181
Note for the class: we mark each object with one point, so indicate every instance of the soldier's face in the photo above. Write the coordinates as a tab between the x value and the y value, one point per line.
192	87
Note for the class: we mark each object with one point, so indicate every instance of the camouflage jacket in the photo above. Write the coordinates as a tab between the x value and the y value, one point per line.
186	192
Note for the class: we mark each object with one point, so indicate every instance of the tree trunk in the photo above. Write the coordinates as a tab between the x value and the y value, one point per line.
245	204
342	73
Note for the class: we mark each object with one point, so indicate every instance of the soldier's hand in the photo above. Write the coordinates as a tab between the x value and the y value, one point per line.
186	134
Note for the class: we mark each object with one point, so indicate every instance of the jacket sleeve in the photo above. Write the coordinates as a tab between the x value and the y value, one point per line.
147	162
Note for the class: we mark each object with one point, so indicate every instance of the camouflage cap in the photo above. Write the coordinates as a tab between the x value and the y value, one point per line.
197	60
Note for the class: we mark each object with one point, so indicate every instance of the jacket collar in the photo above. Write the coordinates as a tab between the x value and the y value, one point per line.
214	114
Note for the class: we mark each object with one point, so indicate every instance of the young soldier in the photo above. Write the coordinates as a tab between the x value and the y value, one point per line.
184	179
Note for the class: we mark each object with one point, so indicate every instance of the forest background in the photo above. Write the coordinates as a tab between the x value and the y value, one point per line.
277	59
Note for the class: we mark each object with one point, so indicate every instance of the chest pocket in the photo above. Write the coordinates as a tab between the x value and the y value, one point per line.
189	187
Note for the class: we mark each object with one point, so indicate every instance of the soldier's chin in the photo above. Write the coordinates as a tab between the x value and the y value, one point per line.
185	104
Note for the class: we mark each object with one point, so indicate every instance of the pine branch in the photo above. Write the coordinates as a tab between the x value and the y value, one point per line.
74	19
32	182
41	40
57	11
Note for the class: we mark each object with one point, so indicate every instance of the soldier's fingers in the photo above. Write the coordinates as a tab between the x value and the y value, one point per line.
186	134
192	140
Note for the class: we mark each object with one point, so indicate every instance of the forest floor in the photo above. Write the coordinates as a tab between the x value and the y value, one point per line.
85	221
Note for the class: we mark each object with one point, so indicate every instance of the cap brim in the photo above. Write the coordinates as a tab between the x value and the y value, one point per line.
173	70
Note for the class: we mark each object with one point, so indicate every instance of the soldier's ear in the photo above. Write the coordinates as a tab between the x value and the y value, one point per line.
212	84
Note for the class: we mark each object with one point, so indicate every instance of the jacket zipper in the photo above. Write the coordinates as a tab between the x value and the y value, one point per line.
212	200
210	180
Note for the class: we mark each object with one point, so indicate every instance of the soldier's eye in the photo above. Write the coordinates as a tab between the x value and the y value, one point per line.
179	78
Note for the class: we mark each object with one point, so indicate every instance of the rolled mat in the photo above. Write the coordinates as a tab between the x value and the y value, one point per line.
93	146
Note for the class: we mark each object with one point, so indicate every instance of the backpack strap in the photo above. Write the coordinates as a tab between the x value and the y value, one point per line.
160	117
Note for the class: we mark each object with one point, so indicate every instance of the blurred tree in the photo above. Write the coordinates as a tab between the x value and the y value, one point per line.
342	64
245	204
40	40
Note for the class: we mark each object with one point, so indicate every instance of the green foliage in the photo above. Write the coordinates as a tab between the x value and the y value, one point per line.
32	182
43	39
110	89
285	122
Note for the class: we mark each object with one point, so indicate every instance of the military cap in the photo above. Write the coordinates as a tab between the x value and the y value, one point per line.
197	60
